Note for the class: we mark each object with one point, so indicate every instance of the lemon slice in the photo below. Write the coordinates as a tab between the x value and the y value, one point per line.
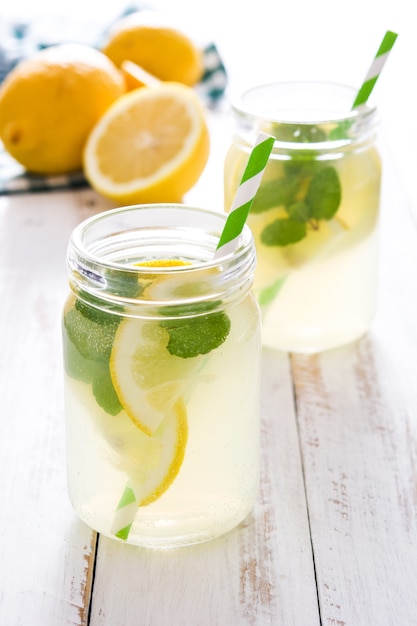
172	435
135	76
151	462
150	146
147	487
148	380
181	287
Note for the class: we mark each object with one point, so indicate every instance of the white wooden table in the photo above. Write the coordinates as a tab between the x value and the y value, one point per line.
332	540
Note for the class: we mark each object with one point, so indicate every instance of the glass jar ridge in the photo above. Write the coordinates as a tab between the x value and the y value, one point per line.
295	113
105	253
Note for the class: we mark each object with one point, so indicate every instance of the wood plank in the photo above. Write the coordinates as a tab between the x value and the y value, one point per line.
46	554
359	451
260	573
358	431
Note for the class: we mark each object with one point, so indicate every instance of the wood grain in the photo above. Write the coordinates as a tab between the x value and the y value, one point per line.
260	573
358	464
358	435
46	554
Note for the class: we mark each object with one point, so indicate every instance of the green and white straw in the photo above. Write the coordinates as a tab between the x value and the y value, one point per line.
375	69
245	195
127	507
125	513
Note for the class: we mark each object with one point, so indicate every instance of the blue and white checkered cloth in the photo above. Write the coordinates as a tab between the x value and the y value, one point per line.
20	40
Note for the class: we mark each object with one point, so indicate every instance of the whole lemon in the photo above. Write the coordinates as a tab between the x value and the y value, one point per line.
50	102
153	41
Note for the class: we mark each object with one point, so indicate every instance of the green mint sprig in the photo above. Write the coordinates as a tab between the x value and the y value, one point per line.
309	191
321	200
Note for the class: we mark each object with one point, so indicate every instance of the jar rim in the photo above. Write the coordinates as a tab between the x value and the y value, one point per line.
303	116
245	103
105	250
82	229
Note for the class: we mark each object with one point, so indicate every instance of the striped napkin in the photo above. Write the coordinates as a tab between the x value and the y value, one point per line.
20	40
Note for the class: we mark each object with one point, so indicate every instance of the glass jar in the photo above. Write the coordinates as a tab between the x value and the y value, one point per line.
162	353
315	216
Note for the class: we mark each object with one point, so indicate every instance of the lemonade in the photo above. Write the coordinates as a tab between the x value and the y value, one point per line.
162	348
315	217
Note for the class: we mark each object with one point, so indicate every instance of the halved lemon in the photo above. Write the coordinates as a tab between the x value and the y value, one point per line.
151	146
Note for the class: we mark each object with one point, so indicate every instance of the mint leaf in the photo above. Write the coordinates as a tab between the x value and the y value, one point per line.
275	193
123	283
190	337
76	365
95	313
299	211
282	232
342	130
104	392
88	340
324	194
300	166
93	335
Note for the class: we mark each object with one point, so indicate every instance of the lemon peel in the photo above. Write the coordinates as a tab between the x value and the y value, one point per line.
50	102
173	435
155	42
151	145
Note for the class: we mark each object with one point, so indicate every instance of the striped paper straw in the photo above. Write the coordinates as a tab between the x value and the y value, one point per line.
245	195
125	512
128	504
375	69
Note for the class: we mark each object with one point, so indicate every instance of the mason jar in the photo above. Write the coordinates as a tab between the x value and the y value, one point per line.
315	216
162	354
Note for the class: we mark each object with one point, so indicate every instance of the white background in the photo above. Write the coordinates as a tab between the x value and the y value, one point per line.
267	40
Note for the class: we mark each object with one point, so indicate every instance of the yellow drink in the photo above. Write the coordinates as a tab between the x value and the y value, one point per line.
162	383
314	220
